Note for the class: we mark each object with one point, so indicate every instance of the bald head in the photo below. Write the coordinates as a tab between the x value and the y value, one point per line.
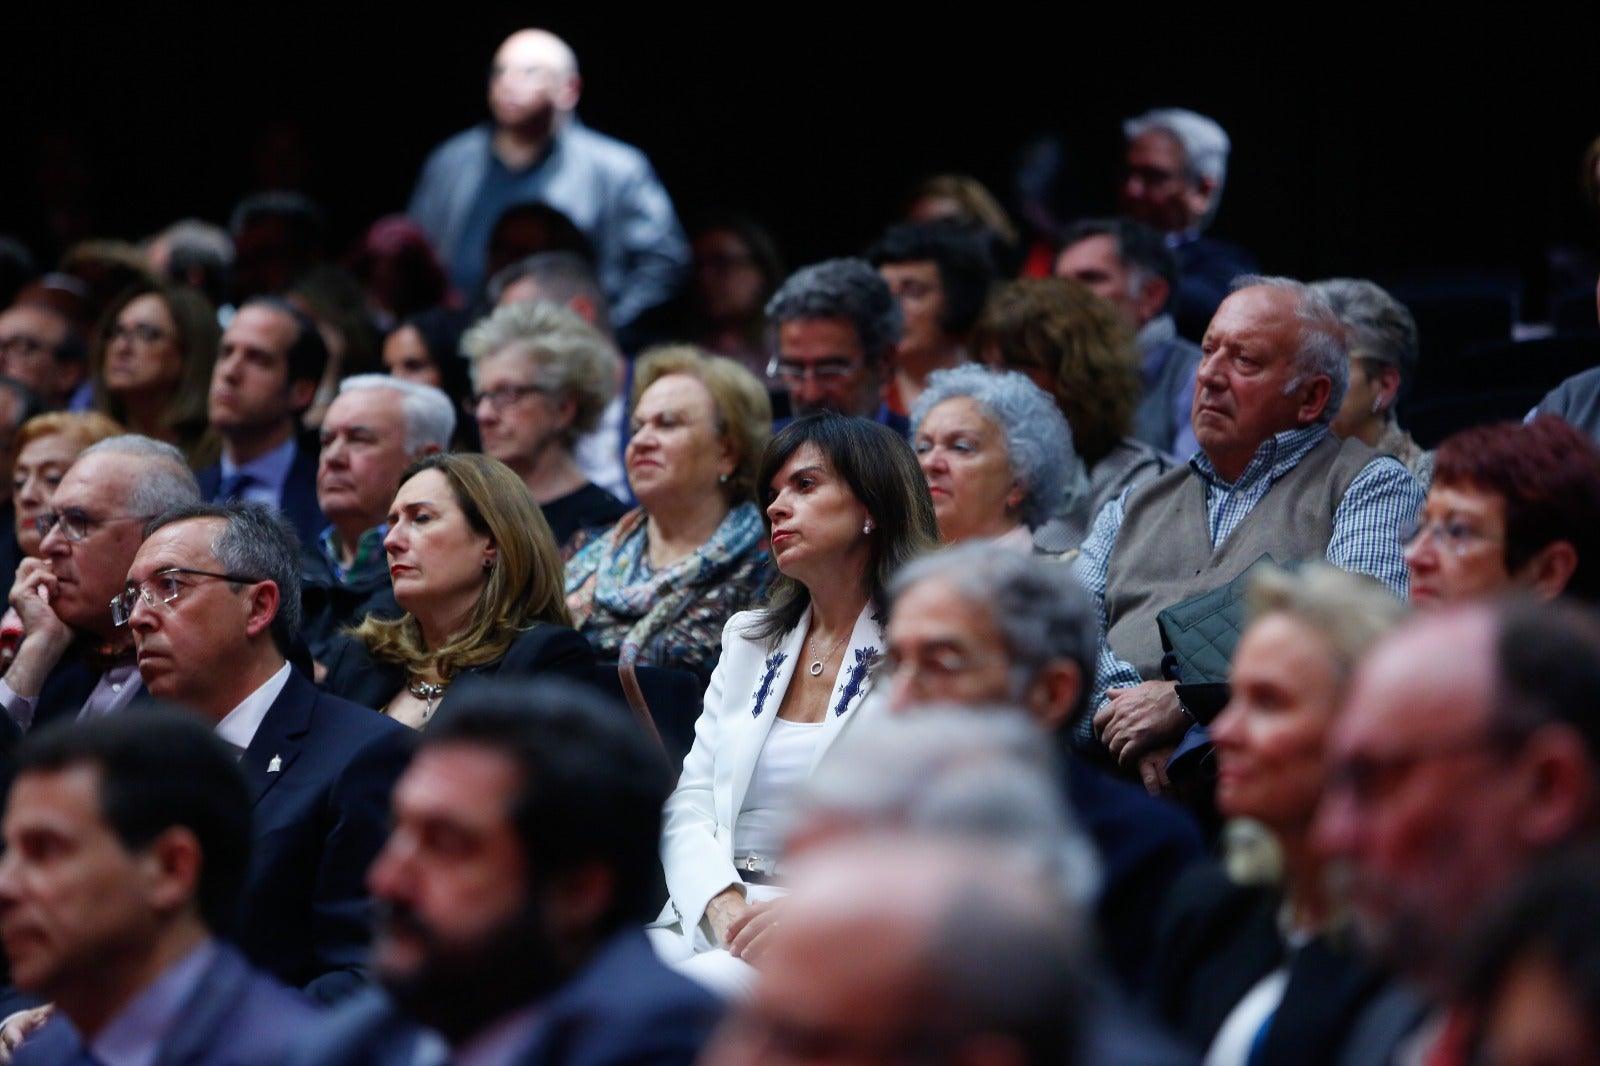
957	943
1460	755
534	83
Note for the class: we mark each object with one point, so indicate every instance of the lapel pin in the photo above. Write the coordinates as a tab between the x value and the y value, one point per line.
275	765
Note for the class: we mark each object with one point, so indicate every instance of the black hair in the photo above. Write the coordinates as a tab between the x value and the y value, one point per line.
160	768
1138	246
308	353
591	786
966	269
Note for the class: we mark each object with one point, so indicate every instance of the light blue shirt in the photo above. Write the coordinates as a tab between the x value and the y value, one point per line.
270	471
135	1035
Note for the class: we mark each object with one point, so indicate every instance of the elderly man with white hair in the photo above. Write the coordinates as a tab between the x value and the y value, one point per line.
1176	164
373	430
1270	480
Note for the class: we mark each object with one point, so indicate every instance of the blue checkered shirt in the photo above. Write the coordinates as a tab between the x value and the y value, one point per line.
1381	500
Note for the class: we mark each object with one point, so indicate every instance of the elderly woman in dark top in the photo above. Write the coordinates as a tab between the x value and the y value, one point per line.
997	454
658	587
1076	347
543	377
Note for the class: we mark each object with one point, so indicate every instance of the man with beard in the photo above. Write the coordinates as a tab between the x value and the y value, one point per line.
511	895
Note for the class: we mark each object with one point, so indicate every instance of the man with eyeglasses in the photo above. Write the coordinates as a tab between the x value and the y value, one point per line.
74	660
40	348
212	601
837	326
268	369
971	626
1468	747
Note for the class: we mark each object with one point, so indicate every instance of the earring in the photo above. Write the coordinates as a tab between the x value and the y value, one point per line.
488	565
867	529
722	479
1377	405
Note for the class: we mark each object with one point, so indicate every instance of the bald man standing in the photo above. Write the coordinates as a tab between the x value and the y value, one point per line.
534	148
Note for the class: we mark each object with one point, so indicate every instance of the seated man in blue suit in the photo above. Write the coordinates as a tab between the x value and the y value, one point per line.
126	846
270	364
512	894
213	599
974	625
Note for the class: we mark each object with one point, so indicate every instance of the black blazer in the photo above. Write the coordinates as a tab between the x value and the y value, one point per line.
320	770
355	675
1218	938
297	501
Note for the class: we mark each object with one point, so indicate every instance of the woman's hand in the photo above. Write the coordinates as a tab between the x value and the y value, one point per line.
747	937
16	1029
723	909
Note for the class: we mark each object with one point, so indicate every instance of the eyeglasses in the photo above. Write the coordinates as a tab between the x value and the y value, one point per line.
75	522
21	345
142	332
163	586
792	374
1367	779
502	396
1454	535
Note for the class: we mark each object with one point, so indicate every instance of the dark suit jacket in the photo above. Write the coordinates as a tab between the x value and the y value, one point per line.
320	771
235	1016
1206	269
624	1006
298	501
1219	938
1144	844
355	675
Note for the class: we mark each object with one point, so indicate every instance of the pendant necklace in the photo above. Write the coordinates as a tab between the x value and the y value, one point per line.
427	691
816	663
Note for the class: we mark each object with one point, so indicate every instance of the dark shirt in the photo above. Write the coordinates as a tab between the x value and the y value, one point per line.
590	507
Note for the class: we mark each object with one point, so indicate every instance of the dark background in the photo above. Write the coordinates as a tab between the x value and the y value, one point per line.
1359	146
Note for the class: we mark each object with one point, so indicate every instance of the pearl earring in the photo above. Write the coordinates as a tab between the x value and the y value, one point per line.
867	529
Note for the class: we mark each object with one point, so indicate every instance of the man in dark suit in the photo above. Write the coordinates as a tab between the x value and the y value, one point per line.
126	845
1172	181
267	373
76	661
213	599
511	894
975	626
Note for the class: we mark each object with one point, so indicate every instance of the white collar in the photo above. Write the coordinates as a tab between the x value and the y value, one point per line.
240	725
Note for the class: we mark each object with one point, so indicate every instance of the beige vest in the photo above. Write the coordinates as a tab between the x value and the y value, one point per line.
1164	555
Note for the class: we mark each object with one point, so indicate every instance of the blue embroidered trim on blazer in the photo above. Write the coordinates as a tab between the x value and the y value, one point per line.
766	682
866	658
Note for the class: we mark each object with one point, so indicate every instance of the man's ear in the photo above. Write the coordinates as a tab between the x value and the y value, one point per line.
301	393
1053	694
171	868
1201	191
568	94
263	608
1388	386
1551	567
1560	786
1314	396
1151	297
579	897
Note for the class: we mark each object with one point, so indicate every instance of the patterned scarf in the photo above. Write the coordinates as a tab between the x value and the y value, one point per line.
610	583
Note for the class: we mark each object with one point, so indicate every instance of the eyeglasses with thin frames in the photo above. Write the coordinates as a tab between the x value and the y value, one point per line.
503	396
76	524
1454	535
164	587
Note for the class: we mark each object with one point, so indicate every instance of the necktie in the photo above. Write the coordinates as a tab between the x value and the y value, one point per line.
233	487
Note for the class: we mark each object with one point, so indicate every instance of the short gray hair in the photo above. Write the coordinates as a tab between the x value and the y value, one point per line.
569	355
842	288
561	276
163	481
1322	351
429	415
1205	145
1041	610
1038	439
1378	326
255	541
978	773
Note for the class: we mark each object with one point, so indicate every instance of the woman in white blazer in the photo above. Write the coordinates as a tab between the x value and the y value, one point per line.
846	505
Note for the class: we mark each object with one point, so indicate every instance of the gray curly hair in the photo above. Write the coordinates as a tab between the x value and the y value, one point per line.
1038	440
842	288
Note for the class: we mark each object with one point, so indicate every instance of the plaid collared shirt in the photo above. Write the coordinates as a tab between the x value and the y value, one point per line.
1366	527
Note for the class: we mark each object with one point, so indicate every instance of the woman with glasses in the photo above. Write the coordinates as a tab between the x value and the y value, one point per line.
1255	962
426	348
151	366
846	506
1512	506
658	587
541	378
477	573
996	452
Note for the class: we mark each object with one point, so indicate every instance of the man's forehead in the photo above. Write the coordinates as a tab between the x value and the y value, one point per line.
934	609
809	339
62	799
104	479
39	321
465	781
1429	680
259	326
375	408
185	543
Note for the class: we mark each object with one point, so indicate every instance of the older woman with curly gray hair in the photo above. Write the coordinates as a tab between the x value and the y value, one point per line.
541	377
997	454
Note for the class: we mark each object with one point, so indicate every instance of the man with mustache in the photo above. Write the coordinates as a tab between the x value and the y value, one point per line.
1269	480
512	892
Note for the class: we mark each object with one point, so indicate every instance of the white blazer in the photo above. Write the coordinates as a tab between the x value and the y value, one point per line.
741	702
